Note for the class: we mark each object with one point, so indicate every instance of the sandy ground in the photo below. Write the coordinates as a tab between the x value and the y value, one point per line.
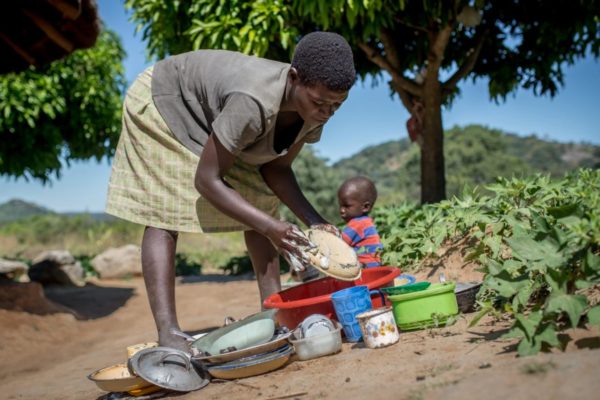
48	356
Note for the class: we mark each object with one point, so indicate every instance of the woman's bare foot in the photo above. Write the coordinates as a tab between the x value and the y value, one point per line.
174	340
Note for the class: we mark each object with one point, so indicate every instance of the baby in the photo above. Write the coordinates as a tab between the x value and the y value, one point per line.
356	197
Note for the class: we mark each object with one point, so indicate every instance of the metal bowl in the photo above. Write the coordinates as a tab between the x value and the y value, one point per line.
117	378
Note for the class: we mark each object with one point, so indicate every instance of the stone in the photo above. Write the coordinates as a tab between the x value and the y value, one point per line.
14	270
57	267
120	262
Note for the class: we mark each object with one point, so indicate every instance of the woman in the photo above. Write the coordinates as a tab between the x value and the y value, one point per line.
207	145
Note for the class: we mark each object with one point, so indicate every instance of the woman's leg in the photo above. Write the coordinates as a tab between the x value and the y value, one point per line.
265	261
158	265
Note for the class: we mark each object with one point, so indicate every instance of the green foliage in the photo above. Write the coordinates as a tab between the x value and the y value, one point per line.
80	234
67	110
238	265
475	156
513	54
254	27
537	240
185	266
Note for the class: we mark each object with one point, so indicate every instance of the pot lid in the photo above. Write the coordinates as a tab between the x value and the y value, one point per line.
168	368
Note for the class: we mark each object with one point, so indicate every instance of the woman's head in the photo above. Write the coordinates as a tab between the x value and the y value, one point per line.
325	58
321	75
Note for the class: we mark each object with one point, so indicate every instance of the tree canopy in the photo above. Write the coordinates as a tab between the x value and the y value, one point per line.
64	111
426	47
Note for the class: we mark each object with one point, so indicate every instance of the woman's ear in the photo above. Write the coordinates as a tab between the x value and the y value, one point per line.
293	75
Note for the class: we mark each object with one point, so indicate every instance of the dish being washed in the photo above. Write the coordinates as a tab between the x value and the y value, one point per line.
332	256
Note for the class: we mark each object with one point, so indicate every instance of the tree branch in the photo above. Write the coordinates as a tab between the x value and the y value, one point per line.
397	78
415	27
404	96
467	65
390	48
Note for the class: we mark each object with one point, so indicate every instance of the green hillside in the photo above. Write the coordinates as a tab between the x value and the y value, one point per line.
16	209
475	155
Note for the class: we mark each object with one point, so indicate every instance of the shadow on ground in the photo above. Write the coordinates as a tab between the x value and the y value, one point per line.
90	301
217	278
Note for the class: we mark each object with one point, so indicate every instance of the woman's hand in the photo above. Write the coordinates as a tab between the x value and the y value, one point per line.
291	243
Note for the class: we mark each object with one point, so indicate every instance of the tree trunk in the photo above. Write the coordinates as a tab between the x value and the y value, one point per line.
433	178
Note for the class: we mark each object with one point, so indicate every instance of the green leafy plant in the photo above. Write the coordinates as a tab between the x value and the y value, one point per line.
537	240
184	266
68	110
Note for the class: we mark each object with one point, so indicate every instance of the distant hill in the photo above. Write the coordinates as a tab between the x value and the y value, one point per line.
16	209
474	155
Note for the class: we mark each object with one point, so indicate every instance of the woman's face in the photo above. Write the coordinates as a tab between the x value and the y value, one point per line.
316	104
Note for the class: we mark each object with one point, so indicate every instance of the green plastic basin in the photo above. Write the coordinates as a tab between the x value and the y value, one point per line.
426	308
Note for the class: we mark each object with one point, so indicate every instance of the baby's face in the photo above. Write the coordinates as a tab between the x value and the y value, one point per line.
351	205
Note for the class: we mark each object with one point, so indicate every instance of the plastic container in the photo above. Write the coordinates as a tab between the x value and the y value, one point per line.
314	297
318	345
426	308
350	302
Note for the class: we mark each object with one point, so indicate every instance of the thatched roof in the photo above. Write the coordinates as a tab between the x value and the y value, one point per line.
36	32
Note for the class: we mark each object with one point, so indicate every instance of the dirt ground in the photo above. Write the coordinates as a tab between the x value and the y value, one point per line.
48	356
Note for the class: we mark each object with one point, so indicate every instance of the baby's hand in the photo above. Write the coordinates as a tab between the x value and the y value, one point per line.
327	228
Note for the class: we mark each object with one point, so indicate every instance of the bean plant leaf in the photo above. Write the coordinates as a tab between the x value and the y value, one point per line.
594	316
573	305
563	211
548	335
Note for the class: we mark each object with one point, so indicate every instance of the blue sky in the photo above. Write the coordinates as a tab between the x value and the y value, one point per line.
368	117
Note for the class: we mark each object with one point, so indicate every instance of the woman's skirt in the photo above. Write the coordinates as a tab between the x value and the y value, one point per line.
152	180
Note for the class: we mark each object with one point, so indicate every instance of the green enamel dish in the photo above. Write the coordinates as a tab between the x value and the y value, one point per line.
251	331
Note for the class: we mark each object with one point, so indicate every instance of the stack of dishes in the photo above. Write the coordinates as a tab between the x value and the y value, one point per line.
248	347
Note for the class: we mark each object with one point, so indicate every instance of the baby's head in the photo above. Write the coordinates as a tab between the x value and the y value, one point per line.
356	197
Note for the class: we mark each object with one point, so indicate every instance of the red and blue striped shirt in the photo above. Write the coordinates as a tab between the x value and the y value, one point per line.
362	235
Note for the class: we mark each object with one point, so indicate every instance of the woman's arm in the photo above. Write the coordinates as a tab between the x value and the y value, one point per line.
279	176
213	165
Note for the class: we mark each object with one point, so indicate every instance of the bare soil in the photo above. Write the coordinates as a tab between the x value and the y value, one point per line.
48	354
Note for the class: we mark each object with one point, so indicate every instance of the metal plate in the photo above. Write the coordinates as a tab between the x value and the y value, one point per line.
168	368
254	365
276	342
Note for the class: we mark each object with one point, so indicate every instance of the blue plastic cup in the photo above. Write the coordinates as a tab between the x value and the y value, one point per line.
350	302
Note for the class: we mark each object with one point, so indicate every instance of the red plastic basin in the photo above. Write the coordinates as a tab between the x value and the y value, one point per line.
298	302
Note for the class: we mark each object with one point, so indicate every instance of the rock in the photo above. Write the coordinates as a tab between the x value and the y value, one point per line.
57	267
14	270
118	262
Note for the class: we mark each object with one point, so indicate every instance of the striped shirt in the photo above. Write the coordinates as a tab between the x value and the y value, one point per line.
362	235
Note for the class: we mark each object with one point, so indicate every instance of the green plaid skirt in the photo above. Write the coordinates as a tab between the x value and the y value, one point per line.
152	179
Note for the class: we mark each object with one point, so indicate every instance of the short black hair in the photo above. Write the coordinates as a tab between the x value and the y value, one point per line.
325	58
362	187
